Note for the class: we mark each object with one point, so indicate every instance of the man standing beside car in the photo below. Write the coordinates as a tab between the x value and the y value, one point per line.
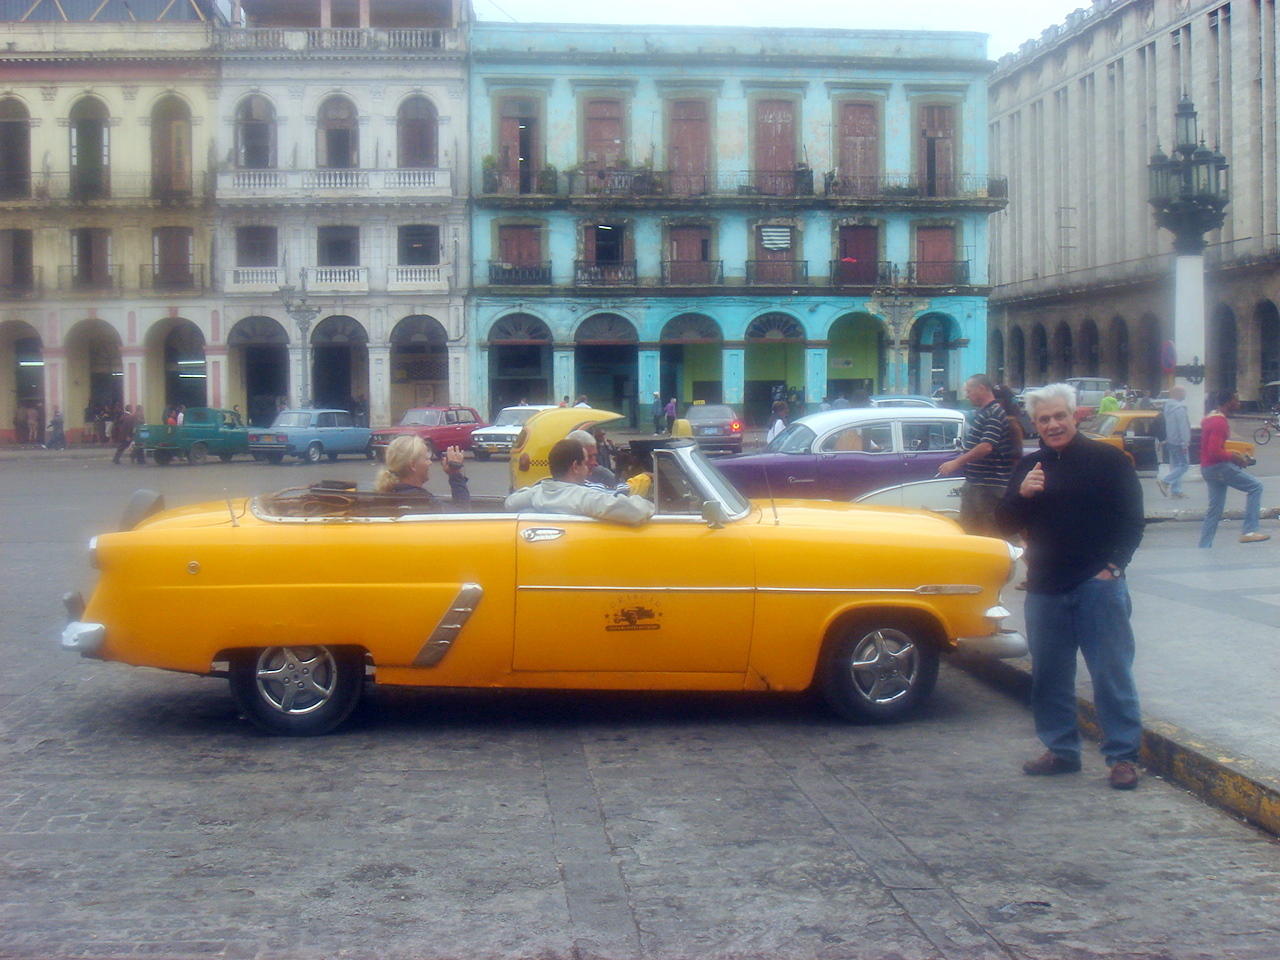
987	461
1079	505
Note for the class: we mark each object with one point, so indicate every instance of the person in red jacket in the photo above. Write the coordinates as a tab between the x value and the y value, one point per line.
1221	469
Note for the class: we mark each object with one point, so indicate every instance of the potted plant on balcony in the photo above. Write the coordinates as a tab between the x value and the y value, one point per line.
804	180
549	180
489	174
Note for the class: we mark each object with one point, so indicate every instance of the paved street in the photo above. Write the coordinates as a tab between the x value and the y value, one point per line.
142	816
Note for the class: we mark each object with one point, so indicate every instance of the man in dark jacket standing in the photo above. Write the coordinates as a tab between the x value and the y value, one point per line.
1079	505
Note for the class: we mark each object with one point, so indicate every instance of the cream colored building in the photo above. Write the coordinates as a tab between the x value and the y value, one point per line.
1083	278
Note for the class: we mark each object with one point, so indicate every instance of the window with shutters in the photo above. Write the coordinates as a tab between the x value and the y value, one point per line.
418	245
170	150
416	127
519	144
337	144
777	257
936	256
604	138
689	147
858	163
774	151
936	157
15	150
338	247
90	150
173	258
858	259
256	134
91	258
689	256
17	270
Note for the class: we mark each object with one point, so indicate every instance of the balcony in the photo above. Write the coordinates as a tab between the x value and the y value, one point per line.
89	280
692	273
433	278
253	280
777	272
24	284
331	280
169	279
340	39
937	273
594	274
503	274
863	273
347	183
642	182
909	189
93	186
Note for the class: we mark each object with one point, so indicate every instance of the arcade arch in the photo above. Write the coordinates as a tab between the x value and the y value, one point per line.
94	373
21	381
692	352
174	371
339	363
935	340
773	364
856	355
605	363
1017	357
519	361
258	368
419	364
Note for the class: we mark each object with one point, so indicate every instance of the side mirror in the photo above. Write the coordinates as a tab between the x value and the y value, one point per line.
713	513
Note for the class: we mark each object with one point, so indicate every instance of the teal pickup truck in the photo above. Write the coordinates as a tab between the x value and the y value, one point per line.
204	432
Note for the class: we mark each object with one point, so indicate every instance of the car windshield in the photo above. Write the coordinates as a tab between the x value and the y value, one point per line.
293	419
797	438
734	501
513	417
421	418
1103	426
710	412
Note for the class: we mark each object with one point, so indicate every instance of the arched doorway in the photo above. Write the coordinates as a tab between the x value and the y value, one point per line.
339	363
605	363
1222	361
419	364
1062	352
416	127
1267	319
995	356
1017	357
174	368
774	364
1117	351
856	356
21	382
95	375
258	368
1090	355
1039	359
337	146
935	340
1149	375
519	361
692	359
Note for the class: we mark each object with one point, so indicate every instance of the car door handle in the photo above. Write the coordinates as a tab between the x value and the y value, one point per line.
799	479
538	534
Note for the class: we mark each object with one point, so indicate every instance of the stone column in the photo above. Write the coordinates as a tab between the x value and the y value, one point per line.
648	378
379	385
733	371
562	380
815	373
217	388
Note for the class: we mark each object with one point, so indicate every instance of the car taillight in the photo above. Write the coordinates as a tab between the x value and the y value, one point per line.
253	438
524	463
735	427
281	438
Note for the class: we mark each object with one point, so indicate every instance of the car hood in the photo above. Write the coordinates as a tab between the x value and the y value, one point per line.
864	518
398	431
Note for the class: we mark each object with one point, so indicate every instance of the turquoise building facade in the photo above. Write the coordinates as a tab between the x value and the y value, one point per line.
726	214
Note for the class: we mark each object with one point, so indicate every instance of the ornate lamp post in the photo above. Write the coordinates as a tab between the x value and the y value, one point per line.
303	314
1189	192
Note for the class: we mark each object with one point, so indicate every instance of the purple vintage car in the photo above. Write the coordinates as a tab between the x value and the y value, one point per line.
840	454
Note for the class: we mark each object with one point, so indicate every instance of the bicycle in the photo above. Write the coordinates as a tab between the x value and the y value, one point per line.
1263	433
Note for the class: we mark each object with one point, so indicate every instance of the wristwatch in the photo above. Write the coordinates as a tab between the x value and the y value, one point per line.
1116	572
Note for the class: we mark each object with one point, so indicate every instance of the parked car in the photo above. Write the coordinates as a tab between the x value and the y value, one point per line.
305	596
839	454
440	428
939	495
1134	431
715	426
1089	390
497	438
310	435
902	400
204	432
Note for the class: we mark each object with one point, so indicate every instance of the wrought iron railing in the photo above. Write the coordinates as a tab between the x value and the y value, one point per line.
852	273
89	279
595	274
907	187
692	273
937	273
502	274
171	278
643	182
777	272
23	284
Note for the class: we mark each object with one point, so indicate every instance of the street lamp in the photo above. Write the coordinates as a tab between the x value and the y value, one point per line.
1189	191
302	314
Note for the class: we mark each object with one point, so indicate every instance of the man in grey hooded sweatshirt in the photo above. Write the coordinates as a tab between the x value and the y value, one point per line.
566	491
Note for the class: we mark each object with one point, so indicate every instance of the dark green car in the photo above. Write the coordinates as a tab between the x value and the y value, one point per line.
205	432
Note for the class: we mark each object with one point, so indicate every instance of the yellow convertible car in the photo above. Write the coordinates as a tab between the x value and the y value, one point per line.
301	598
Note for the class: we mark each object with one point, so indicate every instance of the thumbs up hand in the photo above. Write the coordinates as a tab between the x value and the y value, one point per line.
1033	482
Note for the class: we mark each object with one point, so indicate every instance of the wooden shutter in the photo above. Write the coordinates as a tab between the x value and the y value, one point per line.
937	150
859	163
689	147
859	254
603	134
519	246
775	147
690	251
935	255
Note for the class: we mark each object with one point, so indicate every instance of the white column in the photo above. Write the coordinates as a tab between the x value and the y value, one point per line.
562	373
1188	325
815	375
379	385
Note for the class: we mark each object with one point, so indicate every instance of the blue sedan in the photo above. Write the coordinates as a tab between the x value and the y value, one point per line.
309	435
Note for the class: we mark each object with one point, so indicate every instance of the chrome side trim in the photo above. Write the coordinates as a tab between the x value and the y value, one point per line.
450	625
553	588
927	589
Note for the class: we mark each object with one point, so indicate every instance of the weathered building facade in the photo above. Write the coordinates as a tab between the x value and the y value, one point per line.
1083	278
726	214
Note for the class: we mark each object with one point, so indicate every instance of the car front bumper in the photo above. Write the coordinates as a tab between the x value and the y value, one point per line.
1004	645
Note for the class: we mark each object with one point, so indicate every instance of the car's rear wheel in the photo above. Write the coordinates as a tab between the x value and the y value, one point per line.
225	457
198	453
879	669
274	457
332	457
163	457
481	455
312	453
258	457
297	691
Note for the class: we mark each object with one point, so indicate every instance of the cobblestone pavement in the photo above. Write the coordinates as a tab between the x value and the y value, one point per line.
140	816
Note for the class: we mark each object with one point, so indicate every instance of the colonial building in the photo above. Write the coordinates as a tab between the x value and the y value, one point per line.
726	214
1083	277
105	219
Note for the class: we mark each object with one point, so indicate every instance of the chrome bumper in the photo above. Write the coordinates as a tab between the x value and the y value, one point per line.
1005	645
85	639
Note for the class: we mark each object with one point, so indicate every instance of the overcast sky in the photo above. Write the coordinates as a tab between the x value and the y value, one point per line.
1009	22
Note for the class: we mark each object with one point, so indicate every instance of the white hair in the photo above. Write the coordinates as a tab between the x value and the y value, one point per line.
1053	392
584	438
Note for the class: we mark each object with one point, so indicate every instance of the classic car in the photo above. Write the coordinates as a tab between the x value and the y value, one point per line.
310	435
539	434
715	426
1135	432
838	454
499	436
204	432
902	400
439	427
306	595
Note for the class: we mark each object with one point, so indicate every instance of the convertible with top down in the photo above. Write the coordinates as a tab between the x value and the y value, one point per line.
308	595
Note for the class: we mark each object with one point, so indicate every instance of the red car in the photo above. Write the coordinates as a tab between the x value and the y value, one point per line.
439	427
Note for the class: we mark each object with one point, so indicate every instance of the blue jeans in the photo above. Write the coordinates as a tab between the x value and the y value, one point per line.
1219	476
1094	619
1179	464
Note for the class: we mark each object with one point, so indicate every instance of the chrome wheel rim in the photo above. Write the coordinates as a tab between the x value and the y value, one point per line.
884	666
296	680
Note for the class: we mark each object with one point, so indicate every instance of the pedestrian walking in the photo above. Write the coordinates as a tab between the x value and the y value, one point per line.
1078	502
778	420
139	452
57	439
669	411
987	461
1177	443
659	416
124	433
1222	468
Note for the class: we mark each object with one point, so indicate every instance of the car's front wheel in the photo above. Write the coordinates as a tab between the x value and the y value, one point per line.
297	691
198	453
879	670
481	455
369	452
313	453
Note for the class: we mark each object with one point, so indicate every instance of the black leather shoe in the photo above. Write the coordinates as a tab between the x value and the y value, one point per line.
1050	765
